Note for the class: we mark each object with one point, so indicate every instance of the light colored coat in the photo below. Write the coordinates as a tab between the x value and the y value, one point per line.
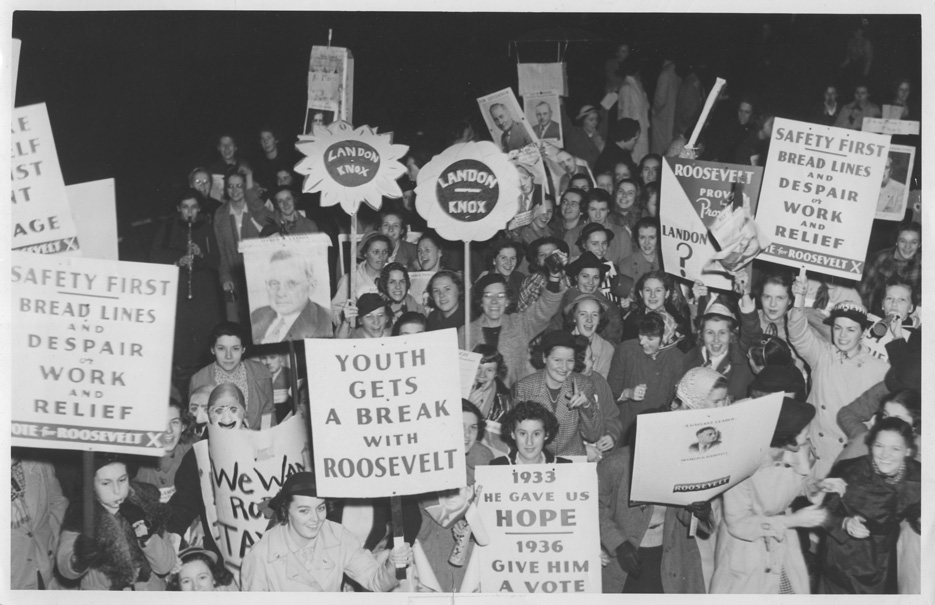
34	544
271	566
663	117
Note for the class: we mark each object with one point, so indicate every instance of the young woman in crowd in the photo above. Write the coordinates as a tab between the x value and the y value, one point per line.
306	552
127	550
656	292
717	348
529	428
563	392
883	488
510	332
488	393
586	274
374	249
373	316
175	444
585	316
393	285
430	253
503	259
202	571
409	322
445	289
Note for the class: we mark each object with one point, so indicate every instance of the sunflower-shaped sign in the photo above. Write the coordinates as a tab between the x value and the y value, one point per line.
349	166
468	192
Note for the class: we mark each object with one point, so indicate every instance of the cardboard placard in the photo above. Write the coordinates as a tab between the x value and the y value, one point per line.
288	287
94	210
819	196
542	521
390	414
894	192
93	342
543	111
506	121
246	469
468	192
330	86
538	78
42	221
694	455
349	166
468	364
884	126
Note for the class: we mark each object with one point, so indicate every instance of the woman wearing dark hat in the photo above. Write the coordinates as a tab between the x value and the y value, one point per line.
585	139
586	274
202	571
841	370
374	249
564	392
127	550
758	548
509	332
306	552
375	318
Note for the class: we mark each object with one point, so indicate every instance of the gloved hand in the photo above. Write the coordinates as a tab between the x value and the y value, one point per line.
629	559
137	519
86	553
702	510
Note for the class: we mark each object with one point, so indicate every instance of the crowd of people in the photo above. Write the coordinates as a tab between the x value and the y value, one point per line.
580	329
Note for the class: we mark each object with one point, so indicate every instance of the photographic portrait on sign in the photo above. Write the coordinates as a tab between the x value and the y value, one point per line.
317	117
543	113
707	438
894	189
506	121
288	288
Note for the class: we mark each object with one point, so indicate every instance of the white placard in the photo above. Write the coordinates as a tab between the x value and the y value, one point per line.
94	210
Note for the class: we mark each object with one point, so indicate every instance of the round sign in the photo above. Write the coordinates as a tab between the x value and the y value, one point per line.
352	163
467	190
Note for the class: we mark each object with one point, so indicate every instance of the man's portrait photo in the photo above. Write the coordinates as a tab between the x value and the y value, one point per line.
541	112
894	192
287	276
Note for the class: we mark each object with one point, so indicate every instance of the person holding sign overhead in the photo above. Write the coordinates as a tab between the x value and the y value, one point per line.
305	552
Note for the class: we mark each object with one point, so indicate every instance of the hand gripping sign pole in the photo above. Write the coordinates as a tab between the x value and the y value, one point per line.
349	166
468	192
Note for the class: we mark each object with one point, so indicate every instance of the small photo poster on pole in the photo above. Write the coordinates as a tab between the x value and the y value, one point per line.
506	121
239	471
894	191
540	78
543	111
532	184
390	414
694	455
42	221
820	190
93	341
330	86
542	521
288	287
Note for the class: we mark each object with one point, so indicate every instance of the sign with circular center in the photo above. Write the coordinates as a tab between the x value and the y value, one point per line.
467	190
352	163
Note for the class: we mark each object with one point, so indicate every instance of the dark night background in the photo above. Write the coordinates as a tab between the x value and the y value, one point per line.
139	96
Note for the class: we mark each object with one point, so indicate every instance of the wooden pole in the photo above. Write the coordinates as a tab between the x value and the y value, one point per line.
352	270
399	536
467	295
87	492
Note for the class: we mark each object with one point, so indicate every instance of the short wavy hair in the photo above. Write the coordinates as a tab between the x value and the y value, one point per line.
528	410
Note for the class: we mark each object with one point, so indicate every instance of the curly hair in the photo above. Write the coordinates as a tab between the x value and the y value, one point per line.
502	245
477	294
910	399
220	574
895	425
667	282
384	278
527	410
409	317
454	276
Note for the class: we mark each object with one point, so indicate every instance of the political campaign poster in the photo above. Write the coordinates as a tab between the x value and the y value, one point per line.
541	78
686	244
246	469
330	86
468	192
15	47
542	522
390	413
894	190
93	341
506	121
819	194
544	112
288	288
419	281
349	166
890	126
41	218
694	455
725	198
532	184
94	210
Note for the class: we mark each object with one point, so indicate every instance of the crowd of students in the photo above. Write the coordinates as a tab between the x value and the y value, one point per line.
581	329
